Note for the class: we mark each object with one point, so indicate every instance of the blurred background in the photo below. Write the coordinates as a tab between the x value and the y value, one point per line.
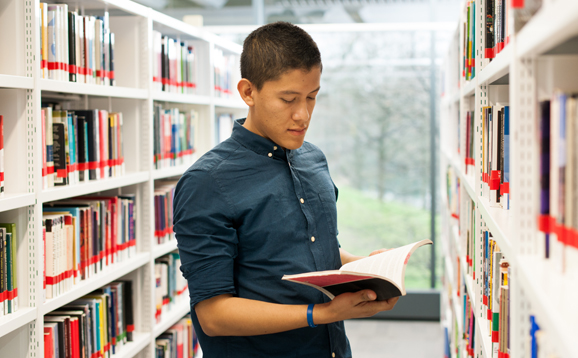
376	114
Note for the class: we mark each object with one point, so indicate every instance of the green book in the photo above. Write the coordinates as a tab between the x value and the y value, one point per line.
11	229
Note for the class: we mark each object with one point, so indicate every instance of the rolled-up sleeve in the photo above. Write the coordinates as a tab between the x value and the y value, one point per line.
206	237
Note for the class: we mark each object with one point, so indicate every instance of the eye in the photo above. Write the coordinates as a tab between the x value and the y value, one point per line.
311	98
286	101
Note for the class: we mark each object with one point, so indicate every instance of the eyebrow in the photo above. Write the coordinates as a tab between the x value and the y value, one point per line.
295	92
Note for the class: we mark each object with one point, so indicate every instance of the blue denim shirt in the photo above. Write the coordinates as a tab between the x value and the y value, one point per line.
247	213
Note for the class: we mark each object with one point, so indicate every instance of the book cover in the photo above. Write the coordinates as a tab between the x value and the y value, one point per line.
10	228
72	46
60	167
368	273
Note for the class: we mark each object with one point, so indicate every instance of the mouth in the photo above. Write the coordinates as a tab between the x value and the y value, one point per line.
297	132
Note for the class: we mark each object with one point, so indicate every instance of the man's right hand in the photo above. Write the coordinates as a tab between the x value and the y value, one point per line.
351	305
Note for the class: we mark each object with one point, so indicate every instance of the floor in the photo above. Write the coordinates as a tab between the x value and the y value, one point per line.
394	339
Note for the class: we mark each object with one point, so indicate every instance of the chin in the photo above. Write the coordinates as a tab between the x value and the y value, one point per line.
292	145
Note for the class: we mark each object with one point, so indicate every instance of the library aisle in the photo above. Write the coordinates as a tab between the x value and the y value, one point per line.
508	168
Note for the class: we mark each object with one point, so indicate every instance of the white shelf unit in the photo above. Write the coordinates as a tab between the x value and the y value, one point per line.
540	58
22	90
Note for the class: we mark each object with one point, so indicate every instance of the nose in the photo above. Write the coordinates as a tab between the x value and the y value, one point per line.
301	112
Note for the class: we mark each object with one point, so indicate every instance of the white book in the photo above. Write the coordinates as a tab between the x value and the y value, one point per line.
65	54
384	273
98	56
157	60
80	50
52	44
555	246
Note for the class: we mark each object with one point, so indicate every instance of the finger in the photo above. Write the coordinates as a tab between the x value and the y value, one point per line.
367	295
392	301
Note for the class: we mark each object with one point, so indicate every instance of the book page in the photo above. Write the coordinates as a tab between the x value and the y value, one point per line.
389	264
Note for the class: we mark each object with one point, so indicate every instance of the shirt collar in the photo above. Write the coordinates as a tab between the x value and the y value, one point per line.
255	142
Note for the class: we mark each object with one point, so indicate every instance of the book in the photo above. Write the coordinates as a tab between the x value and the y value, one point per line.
11	257
383	273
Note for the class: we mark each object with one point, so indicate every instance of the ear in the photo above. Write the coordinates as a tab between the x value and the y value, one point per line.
246	90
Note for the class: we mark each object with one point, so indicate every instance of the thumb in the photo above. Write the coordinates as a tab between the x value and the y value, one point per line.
368	295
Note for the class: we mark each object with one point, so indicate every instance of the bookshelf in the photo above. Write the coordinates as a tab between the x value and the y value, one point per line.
539	59
22	90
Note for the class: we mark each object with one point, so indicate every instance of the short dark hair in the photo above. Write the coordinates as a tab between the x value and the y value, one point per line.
273	49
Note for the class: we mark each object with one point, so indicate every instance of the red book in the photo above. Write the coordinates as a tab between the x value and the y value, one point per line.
48	342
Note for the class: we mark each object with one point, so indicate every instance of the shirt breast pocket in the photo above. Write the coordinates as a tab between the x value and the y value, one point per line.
328	203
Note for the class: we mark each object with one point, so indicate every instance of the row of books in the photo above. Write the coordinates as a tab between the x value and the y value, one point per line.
558	155
496	294
496	155
179	341
175	136
84	236
8	269
225	66
497	26
469	41
81	145
164	194
96	325
174	65
75	48
170	285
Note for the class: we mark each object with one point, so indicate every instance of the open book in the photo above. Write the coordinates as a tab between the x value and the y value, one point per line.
383	273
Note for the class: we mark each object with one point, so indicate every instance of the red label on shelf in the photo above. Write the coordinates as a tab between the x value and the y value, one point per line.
505	188
495	336
489	53
130	327
61	173
495	180
500	46
519	4
485	300
546	223
489	314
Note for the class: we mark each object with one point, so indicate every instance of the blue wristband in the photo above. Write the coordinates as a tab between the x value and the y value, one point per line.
310	316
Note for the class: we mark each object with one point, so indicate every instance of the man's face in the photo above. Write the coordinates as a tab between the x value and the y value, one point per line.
282	108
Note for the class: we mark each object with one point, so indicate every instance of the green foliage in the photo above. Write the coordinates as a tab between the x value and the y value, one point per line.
366	224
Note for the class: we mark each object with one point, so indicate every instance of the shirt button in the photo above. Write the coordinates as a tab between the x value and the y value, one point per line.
275	147
302	201
312	238
270	155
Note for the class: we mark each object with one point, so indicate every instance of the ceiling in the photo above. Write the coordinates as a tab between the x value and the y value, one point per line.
245	12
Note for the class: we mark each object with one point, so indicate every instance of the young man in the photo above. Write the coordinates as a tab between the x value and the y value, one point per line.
261	205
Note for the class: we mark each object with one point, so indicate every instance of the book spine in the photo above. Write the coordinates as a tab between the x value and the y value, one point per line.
72	47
